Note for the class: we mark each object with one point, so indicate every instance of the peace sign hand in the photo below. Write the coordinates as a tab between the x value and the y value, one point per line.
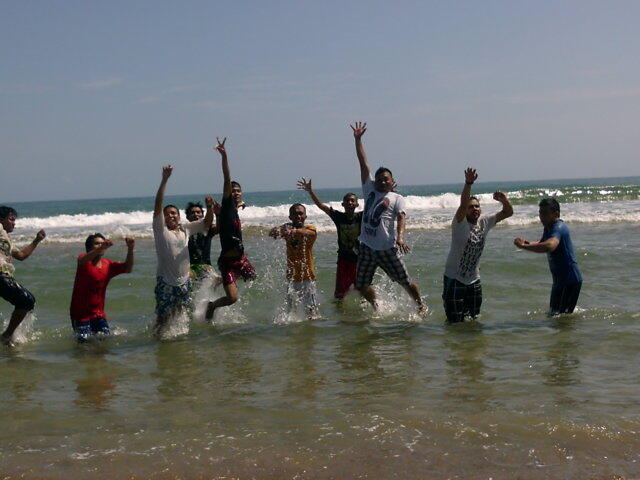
220	147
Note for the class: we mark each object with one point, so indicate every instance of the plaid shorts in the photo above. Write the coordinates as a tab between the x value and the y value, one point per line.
171	298
461	300
389	260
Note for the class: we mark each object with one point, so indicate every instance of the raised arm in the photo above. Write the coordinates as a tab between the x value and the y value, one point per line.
226	172
358	131
507	209
547	246
128	263
28	250
95	252
208	218
304	184
166	173
470	176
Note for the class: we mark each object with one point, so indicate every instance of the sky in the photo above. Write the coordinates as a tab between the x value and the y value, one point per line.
96	96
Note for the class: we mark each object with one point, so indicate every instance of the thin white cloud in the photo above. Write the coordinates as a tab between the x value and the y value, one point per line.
98	84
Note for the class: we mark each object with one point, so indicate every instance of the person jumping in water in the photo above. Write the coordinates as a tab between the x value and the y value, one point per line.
233	262
556	243
381	243
462	293
10	289
173	286
301	268
93	274
348	227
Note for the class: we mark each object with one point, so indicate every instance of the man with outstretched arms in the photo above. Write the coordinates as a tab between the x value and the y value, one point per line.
348	227
556	243
93	273
381	243
10	289
233	262
462	292
173	286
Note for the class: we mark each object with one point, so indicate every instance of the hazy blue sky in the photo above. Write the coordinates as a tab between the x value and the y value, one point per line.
96	96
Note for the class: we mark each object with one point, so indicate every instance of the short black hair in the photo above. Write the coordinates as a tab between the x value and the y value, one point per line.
551	203
6	211
296	205
164	210
235	184
473	197
191	206
89	241
382	170
350	194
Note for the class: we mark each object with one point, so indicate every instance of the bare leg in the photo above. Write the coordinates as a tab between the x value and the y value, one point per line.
16	318
412	290
230	298
369	295
161	323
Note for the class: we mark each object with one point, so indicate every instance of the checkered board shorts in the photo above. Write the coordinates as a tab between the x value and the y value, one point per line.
461	300
389	260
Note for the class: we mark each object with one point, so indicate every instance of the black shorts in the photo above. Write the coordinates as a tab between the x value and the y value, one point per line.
461	300
564	297
16	294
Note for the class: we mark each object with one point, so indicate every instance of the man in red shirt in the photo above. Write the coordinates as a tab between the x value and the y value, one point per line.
90	287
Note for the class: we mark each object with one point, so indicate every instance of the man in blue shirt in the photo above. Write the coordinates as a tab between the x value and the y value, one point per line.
556	243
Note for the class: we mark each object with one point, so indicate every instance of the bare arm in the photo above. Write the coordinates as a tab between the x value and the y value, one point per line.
226	172
28	250
400	227
208	218
507	209
166	173
287	230
358	131
547	246
470	176
303	184
128	263
90	256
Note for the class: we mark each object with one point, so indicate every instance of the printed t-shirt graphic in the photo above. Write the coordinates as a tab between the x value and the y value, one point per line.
348	233
378	220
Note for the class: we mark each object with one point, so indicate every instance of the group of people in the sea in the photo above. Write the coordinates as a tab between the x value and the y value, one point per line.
372	238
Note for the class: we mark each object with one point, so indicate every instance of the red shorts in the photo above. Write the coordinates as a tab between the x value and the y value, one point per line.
233	268
345	277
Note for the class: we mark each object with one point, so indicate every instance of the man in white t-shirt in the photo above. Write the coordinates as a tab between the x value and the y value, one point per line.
462	293
12	291
173	287
381	243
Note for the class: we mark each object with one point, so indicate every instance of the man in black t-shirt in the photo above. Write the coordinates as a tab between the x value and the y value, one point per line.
348	227
232	263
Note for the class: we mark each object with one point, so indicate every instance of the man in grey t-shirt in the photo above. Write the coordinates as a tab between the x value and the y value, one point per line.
462	293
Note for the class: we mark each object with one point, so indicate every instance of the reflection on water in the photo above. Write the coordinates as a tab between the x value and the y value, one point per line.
97	387
562	354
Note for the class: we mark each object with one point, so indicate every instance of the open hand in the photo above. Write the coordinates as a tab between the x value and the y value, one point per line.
130	242
167	170
208	201
220	147
358	129
402	246
40	236
216	207
470	175
304	184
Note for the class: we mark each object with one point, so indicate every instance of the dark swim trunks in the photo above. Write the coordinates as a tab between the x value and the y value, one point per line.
233	268
16	294
461	300
84	330
564	297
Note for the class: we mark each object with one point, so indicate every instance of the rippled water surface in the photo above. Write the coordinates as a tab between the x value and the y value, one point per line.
354	395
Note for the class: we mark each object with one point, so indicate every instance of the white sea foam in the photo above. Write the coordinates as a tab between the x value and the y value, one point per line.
423	212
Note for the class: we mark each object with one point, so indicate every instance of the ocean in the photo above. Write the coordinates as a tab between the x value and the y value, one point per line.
356	394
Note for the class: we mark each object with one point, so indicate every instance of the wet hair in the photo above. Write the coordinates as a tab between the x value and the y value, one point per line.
473	197
551	203
350	194
382	170
88	243
236	184
164	210
296	205
191	206
6	211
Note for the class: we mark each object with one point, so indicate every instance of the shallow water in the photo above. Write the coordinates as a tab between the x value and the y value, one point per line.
354	395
